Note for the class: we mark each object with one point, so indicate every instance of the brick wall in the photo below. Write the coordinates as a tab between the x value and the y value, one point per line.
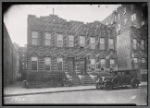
56	25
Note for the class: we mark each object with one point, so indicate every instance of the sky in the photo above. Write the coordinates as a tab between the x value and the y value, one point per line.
15	18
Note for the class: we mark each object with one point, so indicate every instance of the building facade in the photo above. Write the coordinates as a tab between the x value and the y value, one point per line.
132	36
55	44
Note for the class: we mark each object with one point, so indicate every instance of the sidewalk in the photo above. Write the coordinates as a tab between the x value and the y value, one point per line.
18	89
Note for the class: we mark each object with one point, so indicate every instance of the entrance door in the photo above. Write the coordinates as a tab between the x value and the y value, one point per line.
81	65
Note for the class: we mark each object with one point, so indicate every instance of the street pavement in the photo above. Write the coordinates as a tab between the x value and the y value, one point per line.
18	89
117	96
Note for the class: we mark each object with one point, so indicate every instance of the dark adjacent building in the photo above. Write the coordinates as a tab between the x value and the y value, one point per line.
10	60
131	23
55	44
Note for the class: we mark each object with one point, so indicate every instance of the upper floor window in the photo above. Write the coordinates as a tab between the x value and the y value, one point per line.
135	43
92	42
59	40
102	44
135	60
71	40
119	27
60	63
47	39
106	23
112	63
82	41
143	60
133	17
142	44
34	63
34	38
125	9
143	22
118	16
111	43
132	7
47	63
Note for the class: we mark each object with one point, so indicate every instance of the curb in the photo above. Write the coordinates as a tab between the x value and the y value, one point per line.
9	95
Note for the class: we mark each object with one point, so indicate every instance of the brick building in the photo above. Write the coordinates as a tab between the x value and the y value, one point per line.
132	36
55	44
10	60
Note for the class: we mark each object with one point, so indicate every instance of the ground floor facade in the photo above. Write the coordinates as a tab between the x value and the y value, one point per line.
71	60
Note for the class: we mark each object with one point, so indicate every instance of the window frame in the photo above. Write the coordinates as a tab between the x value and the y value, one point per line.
92	44
82	39
59	40
71	41
134	44
58	62
46	39
34	61
34	37
49	63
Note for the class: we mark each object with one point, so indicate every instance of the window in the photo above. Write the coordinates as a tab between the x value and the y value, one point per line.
119	27
34	61
47	39
132	7
143	60
106	23
142	44
118	16
142	23
92	41
60	63
102	61
134	44
133	17
47	63
111	43
112	63
125	21
102	44
124	10
34	37
59	40
71	41
135	60
82	41
92	62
